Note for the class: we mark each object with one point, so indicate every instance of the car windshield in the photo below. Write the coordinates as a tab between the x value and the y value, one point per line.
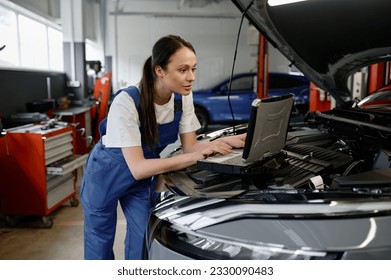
242	84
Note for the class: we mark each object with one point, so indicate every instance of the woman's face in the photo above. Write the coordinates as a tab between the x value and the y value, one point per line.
179	74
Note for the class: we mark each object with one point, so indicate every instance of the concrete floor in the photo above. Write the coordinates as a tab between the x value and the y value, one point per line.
29	240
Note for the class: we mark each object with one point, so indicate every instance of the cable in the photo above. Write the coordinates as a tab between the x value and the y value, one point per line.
233	64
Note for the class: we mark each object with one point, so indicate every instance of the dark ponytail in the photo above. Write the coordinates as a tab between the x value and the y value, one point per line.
147	107
162	51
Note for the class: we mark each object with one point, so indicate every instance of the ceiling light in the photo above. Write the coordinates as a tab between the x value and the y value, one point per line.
283	2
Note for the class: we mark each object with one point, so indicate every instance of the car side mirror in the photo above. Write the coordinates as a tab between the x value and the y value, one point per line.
224	88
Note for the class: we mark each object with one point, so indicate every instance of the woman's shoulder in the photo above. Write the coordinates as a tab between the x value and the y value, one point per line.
122	99
132	91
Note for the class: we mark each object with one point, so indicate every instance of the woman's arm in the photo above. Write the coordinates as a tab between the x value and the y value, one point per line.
222	145
142	168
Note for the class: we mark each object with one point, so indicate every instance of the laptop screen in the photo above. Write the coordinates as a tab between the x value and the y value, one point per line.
268	127
266	135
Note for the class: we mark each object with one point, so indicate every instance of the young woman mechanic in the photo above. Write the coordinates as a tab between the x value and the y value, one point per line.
124	164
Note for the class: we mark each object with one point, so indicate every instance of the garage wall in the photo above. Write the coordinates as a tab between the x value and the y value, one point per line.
19	87
134	26
125	31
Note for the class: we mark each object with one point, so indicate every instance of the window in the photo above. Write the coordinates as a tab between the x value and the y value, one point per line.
33	44
9	55
30	42
243	84
56	56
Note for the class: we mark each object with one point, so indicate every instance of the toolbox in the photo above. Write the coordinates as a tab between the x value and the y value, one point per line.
39	170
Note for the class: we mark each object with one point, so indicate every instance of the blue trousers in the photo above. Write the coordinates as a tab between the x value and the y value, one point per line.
107	181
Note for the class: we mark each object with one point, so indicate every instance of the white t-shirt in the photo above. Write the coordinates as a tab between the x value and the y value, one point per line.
123	124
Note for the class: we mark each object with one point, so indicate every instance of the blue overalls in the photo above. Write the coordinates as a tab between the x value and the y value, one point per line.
107	180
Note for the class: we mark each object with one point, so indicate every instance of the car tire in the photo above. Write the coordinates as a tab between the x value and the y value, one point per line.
203	118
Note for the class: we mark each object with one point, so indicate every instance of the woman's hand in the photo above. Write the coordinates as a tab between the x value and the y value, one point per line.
224	145
235	141
216	147
142	168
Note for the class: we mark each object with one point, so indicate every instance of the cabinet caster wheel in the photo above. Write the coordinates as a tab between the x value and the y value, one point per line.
47	222
74	202
10	221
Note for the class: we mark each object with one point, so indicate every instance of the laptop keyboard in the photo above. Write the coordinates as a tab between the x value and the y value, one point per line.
236	160
231	158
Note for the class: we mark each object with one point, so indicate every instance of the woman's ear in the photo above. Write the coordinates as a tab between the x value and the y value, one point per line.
159	71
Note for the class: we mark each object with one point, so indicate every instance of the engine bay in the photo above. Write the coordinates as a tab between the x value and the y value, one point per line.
340	150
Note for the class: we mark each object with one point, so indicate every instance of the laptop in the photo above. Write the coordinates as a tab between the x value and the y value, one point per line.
266	135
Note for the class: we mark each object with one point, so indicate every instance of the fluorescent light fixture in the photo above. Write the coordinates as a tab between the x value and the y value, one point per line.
283	2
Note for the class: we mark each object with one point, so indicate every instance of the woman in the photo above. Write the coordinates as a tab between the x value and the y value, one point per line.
124	164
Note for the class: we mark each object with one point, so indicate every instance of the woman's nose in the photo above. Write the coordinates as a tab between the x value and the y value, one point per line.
191	76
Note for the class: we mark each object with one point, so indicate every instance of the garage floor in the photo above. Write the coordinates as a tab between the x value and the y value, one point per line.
29	240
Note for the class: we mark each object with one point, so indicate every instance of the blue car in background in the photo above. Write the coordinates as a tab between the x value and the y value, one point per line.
212	106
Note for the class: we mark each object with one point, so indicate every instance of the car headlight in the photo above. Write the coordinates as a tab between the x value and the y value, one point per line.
200	245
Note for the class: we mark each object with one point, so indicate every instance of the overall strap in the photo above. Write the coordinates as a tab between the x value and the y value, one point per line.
134	93
178	103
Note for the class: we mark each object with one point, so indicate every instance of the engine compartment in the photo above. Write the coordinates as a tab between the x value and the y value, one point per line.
340	150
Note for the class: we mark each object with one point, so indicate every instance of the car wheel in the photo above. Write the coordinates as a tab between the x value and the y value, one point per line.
203	118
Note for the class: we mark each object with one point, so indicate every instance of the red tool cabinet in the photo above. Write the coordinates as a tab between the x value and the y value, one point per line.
38	170
79	117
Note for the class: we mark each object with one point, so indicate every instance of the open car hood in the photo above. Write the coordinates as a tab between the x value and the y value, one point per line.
328	40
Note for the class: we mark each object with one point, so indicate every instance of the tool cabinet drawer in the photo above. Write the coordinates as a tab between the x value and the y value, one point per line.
66	165
59	187
58	147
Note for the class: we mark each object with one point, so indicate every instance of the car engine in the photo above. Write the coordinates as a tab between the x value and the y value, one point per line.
339	151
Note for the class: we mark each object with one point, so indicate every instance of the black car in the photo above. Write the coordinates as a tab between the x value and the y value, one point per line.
328	193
